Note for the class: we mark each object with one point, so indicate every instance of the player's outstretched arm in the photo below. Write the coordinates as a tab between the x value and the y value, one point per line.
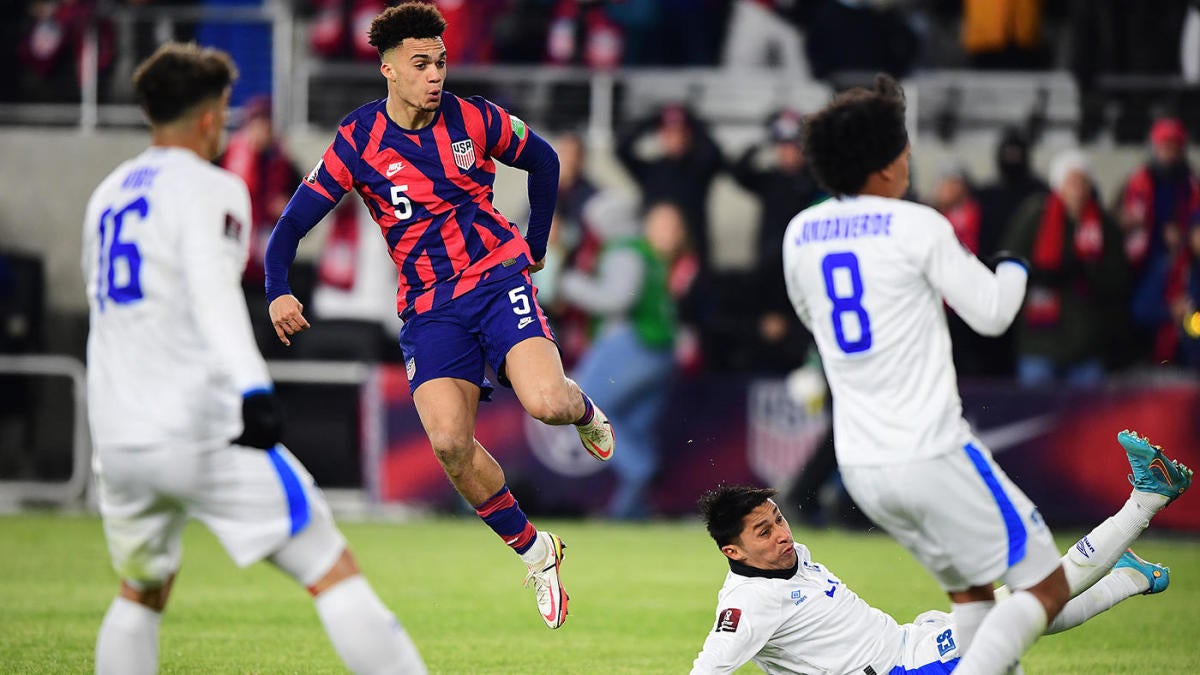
302	213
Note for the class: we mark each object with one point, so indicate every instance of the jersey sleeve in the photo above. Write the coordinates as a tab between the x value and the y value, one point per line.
987	301
333	176
215	240
791	280
745	622
506	133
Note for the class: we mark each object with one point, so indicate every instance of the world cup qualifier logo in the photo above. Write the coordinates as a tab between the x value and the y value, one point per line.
464	154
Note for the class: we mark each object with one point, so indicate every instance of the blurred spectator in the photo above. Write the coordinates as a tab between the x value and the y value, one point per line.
756	37
52	43
1004	34
355	293
682	174
520	30
571	247
583	33
953	198
772	337
1077	267
339	28
1159	204
256	155
628	370
858	35
1015	183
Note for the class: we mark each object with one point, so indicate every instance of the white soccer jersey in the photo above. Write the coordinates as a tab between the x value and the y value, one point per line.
809	622
868	276
170	348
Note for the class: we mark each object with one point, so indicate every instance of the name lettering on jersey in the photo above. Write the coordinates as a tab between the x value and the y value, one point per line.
140	178
464	154
394	168
233	227
798	597
728	620
850	227
312	175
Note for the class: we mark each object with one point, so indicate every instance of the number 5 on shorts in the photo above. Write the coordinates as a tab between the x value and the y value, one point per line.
520	301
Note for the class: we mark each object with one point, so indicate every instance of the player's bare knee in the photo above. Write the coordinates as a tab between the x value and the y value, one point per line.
552	406
454	456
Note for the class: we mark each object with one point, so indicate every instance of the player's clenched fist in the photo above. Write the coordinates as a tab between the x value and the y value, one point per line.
286	316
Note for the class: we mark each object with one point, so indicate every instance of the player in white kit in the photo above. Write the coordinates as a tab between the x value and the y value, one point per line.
868	274
790	614
183	418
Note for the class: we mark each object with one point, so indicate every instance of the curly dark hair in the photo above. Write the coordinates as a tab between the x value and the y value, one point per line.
724	507
178	76
413	19
858	133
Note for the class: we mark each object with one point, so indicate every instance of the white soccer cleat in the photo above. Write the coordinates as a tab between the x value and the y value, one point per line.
597	436
551	597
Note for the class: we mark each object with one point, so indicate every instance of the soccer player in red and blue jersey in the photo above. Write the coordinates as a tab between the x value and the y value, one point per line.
422	161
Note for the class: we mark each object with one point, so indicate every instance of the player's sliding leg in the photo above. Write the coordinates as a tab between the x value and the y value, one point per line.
366	636
1157	481
128	640
1129	577
447	407
535	370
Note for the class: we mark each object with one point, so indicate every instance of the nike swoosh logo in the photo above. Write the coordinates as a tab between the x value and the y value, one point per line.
1158	464
595	450
1005	436
393	170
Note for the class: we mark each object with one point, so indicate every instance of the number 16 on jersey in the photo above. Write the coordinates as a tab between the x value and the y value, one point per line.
844	288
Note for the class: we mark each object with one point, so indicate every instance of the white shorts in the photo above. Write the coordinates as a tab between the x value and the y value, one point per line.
930	646
960	516
253	500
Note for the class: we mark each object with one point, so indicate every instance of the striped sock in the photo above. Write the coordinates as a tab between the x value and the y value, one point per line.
502	513
589	411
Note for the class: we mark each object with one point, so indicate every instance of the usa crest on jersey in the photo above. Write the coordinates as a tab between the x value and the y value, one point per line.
464	154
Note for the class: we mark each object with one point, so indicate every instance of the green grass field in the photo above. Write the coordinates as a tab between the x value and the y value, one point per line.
642	601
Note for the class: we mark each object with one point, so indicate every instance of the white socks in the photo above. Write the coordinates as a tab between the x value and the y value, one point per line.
967	618
536	553
364	633
1009	630
128	640
1113	588
1093	556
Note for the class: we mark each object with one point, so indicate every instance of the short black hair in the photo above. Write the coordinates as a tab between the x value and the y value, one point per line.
725	506
858	133
413	19
179	76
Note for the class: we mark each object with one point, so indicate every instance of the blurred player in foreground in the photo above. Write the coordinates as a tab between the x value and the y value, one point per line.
181	407
421	159
790	614
868	274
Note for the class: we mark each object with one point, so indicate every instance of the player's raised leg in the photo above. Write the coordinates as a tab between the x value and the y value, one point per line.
1157	481
447	407
536	372
1129	577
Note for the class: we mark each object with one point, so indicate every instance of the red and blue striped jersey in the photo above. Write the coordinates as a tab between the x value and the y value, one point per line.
430	191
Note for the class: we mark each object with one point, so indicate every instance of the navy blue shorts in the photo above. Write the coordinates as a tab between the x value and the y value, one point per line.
478	328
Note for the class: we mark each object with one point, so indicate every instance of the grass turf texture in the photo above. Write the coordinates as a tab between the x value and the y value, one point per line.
642	601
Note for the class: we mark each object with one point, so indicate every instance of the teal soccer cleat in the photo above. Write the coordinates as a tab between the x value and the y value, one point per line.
1158	575
1152	470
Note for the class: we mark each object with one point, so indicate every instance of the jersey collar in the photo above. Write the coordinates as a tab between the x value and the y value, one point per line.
742	569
